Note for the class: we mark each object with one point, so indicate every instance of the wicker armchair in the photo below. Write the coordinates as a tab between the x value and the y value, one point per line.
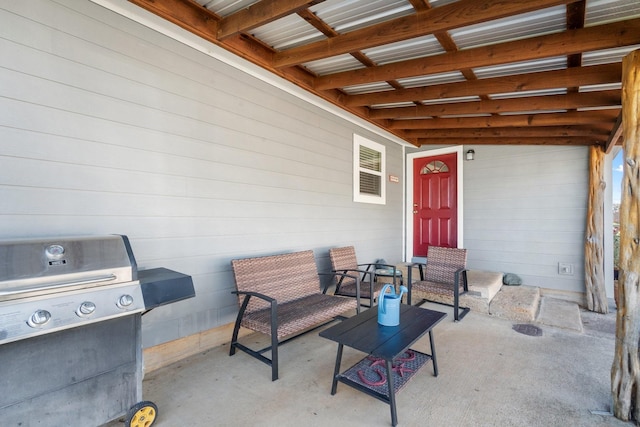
343	260
442	279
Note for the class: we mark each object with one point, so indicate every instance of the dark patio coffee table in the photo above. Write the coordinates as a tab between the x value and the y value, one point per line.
390	363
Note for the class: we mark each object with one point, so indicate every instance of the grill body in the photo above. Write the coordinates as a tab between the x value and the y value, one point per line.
70	328
84	376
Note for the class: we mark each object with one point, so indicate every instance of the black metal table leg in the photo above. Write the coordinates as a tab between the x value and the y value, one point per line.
363	333
433	354
336	370
392	394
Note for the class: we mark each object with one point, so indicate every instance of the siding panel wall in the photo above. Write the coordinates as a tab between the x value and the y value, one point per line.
525	211
109	127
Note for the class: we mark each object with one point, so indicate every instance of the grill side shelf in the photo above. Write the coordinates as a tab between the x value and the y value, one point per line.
162	286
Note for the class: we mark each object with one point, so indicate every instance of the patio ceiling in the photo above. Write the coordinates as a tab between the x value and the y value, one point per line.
440	71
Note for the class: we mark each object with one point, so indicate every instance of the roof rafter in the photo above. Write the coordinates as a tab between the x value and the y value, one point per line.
579	76
608	98
516	120
188	15
325	29
615	135
447	43
258	14
455	15
568	140
600	133
568	42
200	21
575	20
502	109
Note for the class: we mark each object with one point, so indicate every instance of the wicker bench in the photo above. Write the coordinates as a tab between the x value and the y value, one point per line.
281	296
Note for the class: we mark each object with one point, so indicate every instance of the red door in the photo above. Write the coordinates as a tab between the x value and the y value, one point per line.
435	213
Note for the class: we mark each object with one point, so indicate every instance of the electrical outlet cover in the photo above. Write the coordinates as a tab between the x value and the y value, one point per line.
565	268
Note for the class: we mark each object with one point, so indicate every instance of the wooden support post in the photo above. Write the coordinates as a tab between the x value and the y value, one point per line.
625	371
594	244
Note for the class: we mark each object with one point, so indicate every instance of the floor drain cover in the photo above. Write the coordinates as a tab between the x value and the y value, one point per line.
527	329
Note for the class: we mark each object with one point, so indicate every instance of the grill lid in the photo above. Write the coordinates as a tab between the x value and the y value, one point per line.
30	267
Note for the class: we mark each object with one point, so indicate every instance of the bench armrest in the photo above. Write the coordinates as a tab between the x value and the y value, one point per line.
462	271
391	266
367	265
353	270
410	268
409	282
355	277
245	302
250	294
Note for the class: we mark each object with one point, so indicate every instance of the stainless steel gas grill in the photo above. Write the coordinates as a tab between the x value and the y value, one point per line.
70	326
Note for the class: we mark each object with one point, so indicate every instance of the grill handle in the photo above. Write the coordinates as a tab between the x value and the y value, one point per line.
52	286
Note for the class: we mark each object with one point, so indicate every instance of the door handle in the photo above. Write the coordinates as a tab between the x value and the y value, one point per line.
415	212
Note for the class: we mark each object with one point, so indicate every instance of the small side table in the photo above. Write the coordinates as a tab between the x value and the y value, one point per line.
388	352
385	272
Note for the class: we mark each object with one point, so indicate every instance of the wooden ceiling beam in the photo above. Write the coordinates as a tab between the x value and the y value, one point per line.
615	136
598	133
235	38
258	14
325	29
569	140
188	15
622	33
203	23
419	5
581	76
575	20
316	22
447	43
533	103
443	18
519	120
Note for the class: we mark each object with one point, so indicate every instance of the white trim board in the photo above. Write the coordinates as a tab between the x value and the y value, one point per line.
409	200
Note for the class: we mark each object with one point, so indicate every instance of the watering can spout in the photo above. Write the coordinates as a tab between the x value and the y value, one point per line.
403	289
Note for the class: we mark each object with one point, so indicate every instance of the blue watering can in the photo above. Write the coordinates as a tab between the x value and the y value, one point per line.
389	306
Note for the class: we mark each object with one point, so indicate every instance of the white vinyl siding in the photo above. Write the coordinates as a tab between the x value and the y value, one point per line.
109	127
525	212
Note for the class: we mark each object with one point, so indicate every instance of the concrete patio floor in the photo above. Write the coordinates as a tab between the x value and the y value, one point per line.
489	375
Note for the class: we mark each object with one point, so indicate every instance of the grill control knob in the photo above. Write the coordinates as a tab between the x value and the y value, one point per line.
39	318
124	301
86	309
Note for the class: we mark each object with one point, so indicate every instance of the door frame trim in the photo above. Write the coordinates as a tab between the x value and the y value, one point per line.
458	150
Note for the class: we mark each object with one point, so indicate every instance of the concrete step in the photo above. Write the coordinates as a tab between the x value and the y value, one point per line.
484	284
488	295
483	287
519	303
560	313
526	304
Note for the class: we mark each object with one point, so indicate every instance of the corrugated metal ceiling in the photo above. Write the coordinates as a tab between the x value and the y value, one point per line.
348	15
418	70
